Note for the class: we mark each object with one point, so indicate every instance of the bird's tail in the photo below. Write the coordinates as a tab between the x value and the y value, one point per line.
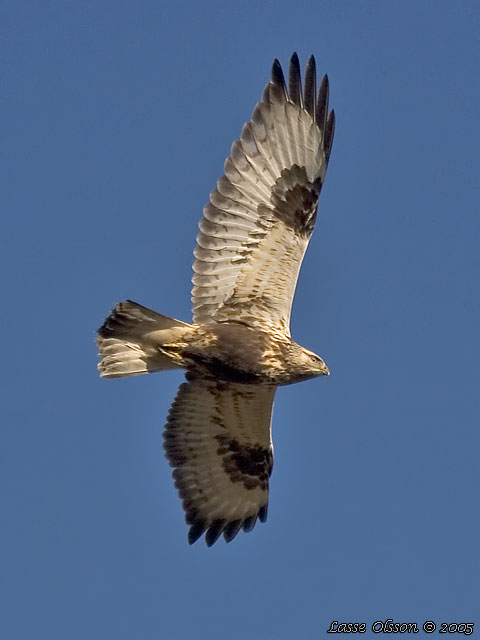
130	341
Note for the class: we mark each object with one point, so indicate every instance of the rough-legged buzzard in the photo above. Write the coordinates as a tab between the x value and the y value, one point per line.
253	236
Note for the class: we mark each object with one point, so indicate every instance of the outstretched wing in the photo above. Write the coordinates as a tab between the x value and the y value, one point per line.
257	225
217	438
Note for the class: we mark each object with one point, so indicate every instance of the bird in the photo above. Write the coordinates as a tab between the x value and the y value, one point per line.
238	350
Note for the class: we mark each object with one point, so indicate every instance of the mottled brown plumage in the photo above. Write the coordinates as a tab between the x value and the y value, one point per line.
253	236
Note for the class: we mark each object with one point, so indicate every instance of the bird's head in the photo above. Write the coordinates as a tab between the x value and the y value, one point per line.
315	363
303	364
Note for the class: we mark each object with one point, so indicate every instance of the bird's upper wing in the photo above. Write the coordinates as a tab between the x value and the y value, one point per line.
257	225
217	438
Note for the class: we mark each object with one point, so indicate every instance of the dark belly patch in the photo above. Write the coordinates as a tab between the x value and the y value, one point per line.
219	369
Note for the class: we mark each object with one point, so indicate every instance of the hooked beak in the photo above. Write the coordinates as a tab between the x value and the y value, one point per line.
325	370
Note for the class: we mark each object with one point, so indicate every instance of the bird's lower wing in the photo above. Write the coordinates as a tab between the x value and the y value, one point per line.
218	440
257	225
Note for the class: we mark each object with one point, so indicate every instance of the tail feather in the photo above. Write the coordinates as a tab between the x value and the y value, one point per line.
130	340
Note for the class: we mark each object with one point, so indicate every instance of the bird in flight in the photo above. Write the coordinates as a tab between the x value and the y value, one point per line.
253	235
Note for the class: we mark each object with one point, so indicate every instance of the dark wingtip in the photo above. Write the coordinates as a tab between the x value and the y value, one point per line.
322	103
263	513
309	97
249	523
294	80
231	530
218	527
277	89
214	532
195	532
277	73
329	133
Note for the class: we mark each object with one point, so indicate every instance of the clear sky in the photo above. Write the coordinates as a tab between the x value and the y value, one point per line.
116	118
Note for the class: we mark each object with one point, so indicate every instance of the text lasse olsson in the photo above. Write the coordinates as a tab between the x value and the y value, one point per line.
379	626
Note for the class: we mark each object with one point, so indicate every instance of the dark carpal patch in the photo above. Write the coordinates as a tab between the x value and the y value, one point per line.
295	199
243	463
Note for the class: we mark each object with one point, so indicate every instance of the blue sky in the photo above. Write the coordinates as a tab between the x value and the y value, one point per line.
116	119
